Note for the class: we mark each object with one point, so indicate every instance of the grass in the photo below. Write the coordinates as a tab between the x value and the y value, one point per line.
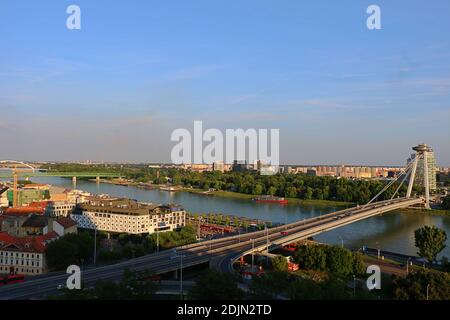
437	212
293	201
386	260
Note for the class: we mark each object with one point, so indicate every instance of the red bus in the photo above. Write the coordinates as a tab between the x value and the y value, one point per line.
11	279
291	247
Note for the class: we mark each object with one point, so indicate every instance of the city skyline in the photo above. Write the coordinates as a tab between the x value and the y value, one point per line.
117	88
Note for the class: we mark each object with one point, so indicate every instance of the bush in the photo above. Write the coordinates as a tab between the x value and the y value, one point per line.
336	260
414	286
69	249
109	256
279	263
214	285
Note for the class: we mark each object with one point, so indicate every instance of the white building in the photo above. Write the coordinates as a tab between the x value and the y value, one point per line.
25	255
128	216
60	208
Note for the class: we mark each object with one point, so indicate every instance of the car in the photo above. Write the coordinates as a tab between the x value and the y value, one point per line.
60	287
284	233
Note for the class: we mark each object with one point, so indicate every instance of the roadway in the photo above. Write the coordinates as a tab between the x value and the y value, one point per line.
219	253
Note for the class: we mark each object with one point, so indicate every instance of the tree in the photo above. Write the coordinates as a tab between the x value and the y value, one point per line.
291	192
446	203
279	263
430	240
311	257
309	193
304	289
269	285
339	261
258	190
414	286
69	249
214	285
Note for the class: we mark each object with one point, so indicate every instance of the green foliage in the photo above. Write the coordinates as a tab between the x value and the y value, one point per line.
446	203
279	263
251	183
414	286
269	285
311	258
339	261
214	285
132	286
430	240
69	249
304	289
109	256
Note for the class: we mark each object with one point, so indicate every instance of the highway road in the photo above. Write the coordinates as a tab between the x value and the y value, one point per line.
220	253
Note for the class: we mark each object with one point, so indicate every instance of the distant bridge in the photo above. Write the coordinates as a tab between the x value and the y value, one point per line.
6	174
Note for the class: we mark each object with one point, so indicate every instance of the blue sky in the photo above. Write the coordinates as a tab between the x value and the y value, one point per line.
115	90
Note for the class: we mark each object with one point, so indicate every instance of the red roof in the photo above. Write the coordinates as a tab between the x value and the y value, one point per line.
39	204
23	211
34	185
26	244
66	222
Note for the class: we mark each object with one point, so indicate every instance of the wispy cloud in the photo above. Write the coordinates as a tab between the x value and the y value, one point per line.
193	72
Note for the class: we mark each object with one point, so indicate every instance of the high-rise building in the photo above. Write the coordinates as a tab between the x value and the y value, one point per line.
432	170
219	166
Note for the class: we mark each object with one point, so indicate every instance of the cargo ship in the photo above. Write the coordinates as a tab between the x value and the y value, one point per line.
271	199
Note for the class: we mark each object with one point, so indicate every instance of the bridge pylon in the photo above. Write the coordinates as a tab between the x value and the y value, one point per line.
421	154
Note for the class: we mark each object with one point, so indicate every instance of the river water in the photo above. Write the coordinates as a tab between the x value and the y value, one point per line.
392	231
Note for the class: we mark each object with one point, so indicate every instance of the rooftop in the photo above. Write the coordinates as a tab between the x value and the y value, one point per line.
26	244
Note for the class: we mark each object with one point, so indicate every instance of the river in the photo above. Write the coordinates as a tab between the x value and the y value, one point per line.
392	231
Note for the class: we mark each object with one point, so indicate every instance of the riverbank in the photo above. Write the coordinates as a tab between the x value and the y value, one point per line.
292	201
432	212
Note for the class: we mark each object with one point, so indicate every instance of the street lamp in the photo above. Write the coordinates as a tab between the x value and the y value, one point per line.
407	265
181	256
378	248
253	249
342	242
157	239
95	245
428	288
354	286
267	245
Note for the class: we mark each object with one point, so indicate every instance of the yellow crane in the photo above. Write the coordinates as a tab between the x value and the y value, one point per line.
16	170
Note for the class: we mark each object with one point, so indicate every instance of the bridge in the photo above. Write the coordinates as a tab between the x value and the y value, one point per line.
219	253
7	175
222	253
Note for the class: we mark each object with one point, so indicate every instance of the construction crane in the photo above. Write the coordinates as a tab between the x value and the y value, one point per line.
16	170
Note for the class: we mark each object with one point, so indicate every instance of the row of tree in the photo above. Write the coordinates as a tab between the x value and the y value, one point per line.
339	262
132	286
79	248
285	185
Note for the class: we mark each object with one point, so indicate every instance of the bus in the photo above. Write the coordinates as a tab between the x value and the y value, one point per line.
11	279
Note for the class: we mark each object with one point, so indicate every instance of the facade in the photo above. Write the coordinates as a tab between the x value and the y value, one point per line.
64	225
28	195
128	216
24	255
60	208
218	166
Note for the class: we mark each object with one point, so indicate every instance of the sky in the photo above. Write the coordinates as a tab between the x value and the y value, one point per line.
115	90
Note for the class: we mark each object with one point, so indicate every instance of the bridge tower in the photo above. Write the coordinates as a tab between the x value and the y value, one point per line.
421	153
